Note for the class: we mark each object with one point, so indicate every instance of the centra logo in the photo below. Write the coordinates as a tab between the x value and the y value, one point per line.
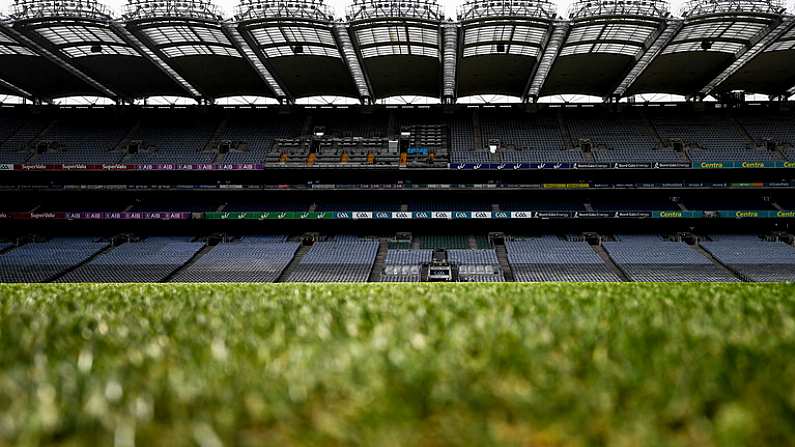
671	214
785	214
746	214
753	164
712	165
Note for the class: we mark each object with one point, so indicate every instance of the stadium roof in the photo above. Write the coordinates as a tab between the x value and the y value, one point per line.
289	49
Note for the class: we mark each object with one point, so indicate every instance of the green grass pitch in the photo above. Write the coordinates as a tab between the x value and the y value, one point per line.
398	365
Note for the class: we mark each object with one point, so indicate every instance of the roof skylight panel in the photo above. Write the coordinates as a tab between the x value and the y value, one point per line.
88	50
385	50
268	36
211	35
782	45
583	48
615	48
424	36
523	50
15	50
740	30
631	33
529	34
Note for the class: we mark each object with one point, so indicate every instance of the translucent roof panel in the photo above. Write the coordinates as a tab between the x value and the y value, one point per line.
391	50
293	34
78	34
723	47
90	50
306	50
295	39
519	50
190	40
504	33
11	46
78	40
610	31
729	36
398	38
166	35
784	43
195	50
397	34
604	47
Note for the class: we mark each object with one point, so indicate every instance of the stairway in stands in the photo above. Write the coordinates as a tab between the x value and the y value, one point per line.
378	265
209	245
502	257
596	244
302	250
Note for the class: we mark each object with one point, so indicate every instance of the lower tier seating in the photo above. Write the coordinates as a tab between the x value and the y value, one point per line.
754	259
649	258
242	261
343	260
552	259
42	261
150	260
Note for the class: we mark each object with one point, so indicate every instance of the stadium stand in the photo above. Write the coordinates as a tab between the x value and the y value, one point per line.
43	261
649	258
478	265
753	258
149	260
171	139
550	258
247	260
337	261
405	265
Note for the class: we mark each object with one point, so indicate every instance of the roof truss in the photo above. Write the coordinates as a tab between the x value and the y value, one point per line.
156	60
351	57
246	46
662	40
751	52
551	51
8	30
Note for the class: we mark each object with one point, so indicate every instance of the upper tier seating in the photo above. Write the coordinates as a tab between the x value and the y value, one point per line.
42	261
17	137
753	258
150	260
623	134
649	258
540	132
172	139
251	137
639	156
241	261
337	261
769	127
85	139
549	258
707	132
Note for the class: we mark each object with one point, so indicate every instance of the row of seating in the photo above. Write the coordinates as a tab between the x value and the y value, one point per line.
753	258
343	260
550	258
652	258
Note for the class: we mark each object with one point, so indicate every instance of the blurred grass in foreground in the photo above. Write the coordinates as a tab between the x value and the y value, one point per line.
398	365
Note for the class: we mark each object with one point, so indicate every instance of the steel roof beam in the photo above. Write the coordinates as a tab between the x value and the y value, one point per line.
257	62
557	37
662	41
19	91
139	46
61	62
762	43
353	62
449	61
